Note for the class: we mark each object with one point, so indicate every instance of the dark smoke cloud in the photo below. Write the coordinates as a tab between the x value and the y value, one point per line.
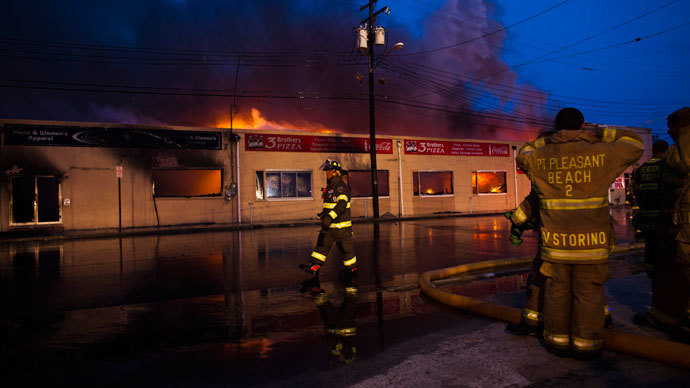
251	26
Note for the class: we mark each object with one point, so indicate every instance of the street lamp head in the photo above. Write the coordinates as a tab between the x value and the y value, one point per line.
399	46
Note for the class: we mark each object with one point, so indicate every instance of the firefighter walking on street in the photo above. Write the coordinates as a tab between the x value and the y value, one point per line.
336	225
571	171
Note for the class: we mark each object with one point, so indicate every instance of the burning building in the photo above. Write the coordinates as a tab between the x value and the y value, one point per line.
75	176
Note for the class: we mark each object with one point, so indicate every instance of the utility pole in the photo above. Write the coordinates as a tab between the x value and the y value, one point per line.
372	106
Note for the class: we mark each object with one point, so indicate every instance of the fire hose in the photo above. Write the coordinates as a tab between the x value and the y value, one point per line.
667	352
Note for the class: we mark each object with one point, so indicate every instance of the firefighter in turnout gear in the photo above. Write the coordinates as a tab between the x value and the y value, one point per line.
339	321
670	283
526	217
645	185
571	171
336	225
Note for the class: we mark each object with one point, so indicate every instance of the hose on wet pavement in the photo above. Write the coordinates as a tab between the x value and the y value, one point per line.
668	352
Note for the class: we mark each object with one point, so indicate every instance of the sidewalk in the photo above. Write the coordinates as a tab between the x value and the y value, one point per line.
53	233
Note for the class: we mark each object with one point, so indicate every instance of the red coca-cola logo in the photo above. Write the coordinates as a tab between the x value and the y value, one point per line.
502	150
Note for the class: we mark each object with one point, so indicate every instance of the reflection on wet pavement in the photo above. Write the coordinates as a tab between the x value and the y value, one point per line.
236	294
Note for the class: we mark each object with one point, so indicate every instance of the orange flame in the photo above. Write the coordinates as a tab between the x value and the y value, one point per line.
256	120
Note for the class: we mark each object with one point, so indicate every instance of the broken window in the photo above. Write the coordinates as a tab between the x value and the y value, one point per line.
489	182
283	184
427	183
35	199
360	183
187	182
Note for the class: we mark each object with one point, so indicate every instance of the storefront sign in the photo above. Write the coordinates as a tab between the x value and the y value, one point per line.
49	135
433	147
302	143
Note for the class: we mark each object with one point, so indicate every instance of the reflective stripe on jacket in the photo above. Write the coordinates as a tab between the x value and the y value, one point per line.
336	203
572	172
646	183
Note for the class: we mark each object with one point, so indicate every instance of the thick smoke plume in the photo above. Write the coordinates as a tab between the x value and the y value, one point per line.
297	69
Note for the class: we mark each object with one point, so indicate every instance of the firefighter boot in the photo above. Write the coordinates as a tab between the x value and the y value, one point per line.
523	328
311	285
349	276
311	268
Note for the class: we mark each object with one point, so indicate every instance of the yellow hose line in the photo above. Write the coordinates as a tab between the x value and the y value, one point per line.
668	352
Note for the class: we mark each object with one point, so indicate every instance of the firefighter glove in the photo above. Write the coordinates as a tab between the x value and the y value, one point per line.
326	220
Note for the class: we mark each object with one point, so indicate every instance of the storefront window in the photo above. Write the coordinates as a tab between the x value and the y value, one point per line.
360	183
283	184
187	182
489	182
428	183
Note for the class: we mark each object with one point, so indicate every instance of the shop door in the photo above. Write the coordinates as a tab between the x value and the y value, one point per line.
35	200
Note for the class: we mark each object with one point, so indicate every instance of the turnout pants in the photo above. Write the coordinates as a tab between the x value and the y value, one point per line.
669	287
534	303
342	238
574	306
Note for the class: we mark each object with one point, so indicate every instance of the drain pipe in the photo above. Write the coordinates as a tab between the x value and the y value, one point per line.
515	174
239	196
668	352
400	185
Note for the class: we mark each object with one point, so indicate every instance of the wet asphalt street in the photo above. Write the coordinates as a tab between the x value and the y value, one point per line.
228	309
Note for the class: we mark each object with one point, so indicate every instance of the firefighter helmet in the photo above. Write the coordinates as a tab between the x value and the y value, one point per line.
331	165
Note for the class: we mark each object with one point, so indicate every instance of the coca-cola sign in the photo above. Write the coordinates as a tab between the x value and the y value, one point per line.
303	143
455	148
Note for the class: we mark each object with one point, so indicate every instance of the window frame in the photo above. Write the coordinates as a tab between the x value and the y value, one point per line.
419	188
281	171
35	222
473	174
388	174
164	197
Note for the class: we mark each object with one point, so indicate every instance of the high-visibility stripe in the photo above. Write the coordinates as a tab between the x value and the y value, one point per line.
351	290
650	213
540	142
344	332
575	254
531	315
561	340
574	204
333	214
520	215
341	225
328	205
633	141
609	135
527	149
586	344
318	256
342	197
648	186
321	299
683	217
350	262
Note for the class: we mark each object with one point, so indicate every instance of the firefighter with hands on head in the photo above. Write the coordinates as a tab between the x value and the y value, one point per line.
336	225
645	185
671	277
571	170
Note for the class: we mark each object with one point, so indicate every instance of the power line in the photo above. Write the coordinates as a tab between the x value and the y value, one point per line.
488	34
